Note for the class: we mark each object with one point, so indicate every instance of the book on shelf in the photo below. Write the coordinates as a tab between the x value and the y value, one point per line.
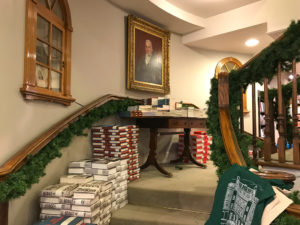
59	190
77	179
65	220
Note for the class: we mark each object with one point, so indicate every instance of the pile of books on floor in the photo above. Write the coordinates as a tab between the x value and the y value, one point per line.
90	201
200	146
114	171
117	142
93	190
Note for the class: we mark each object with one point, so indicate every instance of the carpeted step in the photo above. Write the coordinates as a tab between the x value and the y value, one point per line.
190	188
143	215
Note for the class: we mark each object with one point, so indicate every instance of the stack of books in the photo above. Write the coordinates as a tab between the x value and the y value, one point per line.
114	171
56	198
91	201
119	198
200	145
133	162
110	141
79	167
118	142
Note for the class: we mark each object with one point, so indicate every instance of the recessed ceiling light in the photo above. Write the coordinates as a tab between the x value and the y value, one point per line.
251	42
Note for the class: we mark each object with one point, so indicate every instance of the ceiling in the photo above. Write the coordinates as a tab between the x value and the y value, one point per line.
207	8
187	17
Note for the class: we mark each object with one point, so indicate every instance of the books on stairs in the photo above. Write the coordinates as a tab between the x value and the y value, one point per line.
59	190
56	200
103	164
64	220
76	179
90	190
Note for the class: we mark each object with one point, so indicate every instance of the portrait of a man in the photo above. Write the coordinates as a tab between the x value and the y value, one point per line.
149	66
148	56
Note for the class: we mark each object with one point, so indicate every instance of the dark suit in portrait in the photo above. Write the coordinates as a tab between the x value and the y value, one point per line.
149	67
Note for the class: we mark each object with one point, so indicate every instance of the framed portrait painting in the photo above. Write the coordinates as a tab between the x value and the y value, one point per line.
148	56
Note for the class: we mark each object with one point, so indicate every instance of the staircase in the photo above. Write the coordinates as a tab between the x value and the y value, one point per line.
184	199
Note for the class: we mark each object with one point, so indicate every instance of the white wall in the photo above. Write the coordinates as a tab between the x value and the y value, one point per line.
98	68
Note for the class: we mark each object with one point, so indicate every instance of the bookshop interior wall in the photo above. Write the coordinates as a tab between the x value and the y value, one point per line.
98	68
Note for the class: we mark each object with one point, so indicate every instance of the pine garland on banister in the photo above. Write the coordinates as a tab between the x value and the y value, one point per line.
18	182
264	66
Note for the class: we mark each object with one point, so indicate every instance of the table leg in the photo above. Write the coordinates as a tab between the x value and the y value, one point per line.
151	160
187	150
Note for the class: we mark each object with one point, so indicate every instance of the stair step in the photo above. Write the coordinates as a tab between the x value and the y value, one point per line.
144	215
191	188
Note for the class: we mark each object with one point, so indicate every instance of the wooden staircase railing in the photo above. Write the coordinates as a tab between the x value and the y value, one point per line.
230	142
20	158
269	138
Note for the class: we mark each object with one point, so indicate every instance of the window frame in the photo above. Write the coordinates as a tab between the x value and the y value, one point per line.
30	90
238	64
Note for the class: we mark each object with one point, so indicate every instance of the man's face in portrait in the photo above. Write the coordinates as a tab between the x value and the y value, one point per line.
148	48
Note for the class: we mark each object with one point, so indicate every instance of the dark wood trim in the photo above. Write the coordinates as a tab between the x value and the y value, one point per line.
274	163
255	156
296	150
30	90
4	213
280	119
17	160
294	210
268	142
242	110
230	142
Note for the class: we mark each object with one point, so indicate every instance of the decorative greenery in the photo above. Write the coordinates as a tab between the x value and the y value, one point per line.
18	182
285	219
264	65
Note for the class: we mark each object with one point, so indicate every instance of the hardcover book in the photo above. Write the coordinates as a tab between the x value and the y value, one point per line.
57	190
103	164
77	179
85	208
62	220
81	163
47	205
86	202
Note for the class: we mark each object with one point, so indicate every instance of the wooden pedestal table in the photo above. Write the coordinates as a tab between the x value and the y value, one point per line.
156	122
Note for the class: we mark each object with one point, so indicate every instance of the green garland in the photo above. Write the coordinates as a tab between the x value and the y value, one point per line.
263	66
18	182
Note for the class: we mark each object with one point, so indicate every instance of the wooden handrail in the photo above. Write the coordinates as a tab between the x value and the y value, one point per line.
17	160
230	142
258	138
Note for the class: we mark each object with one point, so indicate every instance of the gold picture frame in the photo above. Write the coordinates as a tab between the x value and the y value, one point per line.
148	56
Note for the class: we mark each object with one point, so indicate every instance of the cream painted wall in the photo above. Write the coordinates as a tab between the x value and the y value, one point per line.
190	82
98	68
